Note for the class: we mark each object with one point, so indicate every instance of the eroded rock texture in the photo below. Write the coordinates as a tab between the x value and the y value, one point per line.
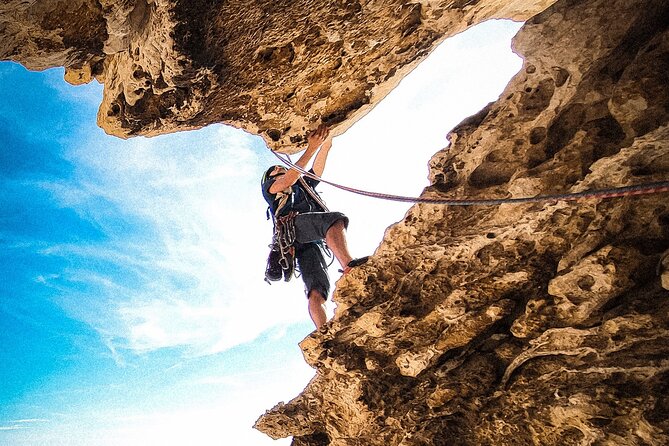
513	325
540	324
275	68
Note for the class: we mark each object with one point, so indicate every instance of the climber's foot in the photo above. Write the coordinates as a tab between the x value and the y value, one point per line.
353	263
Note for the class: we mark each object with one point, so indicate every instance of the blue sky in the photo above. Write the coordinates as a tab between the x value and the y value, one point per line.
132	305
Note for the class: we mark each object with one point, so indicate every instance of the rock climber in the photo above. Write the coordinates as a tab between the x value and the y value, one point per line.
297	207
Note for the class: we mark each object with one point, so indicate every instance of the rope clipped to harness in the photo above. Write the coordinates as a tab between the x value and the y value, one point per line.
625	191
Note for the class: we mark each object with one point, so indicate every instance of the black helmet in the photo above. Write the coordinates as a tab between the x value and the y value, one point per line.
266	176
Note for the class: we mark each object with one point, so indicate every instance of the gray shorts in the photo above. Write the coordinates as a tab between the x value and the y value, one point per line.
313	268
312	226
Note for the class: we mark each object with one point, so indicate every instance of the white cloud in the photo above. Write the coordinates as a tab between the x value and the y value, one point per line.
195	280
212	408
30	420
44	279
27	423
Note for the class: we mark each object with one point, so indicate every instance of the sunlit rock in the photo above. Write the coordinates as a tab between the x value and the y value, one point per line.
527	324
275	69
524	324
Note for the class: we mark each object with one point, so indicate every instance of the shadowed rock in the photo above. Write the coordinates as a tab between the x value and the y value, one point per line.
520	324
513	325
275	68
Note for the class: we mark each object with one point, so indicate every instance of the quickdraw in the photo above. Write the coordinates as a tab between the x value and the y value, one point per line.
281	259
284	238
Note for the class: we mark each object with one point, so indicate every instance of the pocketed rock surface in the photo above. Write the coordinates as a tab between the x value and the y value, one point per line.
271	67
534	324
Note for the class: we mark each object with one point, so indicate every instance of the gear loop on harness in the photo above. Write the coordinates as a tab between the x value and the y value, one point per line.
281	259
284	239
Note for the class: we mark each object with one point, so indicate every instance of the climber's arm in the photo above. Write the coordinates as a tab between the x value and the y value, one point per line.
321	157
286	180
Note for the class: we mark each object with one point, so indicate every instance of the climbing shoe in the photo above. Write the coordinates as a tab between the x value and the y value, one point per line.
353	263
273	270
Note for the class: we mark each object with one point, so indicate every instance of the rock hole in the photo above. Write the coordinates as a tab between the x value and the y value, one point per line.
495	156
663	219
537	135
491	174
97	68
607	134
139	16
114	110
537	99
265	54
586	282
564	127
274	134
560	75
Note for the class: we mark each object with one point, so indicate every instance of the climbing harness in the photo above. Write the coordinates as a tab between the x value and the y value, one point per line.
285	234
281	259
625	191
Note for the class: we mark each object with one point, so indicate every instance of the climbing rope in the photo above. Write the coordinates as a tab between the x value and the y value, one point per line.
625	191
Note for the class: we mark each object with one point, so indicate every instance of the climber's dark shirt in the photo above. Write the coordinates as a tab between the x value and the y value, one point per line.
299	200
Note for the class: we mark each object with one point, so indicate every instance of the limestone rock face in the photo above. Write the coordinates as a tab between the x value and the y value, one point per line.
43	34
537	324
275	68
512	325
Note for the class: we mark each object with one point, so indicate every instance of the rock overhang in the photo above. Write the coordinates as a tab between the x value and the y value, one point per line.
512	325
276	69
